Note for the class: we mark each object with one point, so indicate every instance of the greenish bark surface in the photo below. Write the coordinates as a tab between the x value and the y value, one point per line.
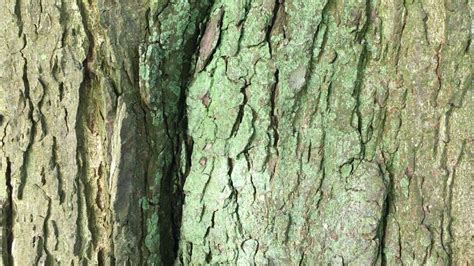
236	132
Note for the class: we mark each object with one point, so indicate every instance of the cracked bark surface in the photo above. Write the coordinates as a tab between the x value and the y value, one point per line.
236	132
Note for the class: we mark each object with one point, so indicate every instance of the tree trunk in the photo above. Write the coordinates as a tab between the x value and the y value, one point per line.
236	132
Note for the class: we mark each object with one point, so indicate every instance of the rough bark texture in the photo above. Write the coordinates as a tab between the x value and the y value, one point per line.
236	132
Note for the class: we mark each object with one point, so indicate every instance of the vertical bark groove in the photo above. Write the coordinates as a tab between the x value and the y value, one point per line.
7	218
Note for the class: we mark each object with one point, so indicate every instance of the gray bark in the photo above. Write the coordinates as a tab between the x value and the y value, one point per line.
236	132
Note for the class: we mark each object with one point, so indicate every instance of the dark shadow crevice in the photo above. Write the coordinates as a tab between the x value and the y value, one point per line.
180	144
8	214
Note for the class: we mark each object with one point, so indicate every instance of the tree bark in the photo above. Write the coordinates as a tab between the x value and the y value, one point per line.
236	132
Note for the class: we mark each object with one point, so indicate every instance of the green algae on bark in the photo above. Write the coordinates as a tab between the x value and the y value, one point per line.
304	145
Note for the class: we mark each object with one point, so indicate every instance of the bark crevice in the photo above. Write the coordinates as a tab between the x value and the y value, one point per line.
7	212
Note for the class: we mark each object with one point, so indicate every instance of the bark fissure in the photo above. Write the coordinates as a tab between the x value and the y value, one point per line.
273	112
46	232
240	115
83	125
172	109
271	25
29	107
384	221
8	215
19	22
